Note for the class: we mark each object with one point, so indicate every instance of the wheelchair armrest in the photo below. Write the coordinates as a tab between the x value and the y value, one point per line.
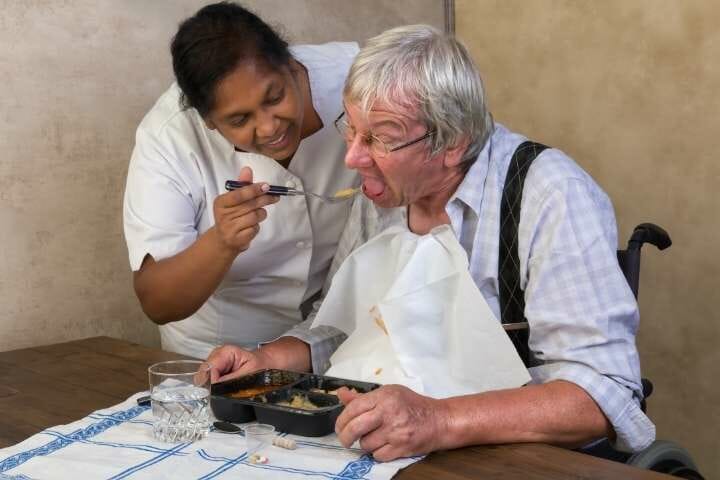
649	233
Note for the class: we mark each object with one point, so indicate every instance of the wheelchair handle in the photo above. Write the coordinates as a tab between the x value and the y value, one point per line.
649	233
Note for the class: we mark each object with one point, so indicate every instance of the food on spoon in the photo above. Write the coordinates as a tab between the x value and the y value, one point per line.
345	193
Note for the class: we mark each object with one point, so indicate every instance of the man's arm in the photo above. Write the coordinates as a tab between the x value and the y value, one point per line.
394	422
285	353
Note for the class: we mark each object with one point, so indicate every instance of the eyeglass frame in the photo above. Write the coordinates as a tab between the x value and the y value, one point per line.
429	134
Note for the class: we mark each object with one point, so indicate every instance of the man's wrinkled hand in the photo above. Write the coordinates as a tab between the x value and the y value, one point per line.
228	362
390	422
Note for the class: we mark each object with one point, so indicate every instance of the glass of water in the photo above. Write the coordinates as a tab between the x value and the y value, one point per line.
180	394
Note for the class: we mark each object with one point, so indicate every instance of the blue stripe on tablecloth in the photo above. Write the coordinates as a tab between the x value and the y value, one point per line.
83	434
96	416
355	470
142	447
226	466
140	466
14	477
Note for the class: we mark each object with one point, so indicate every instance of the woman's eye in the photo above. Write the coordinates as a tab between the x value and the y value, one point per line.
277	98
239	121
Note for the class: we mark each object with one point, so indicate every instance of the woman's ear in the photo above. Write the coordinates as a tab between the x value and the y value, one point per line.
454	155
209	123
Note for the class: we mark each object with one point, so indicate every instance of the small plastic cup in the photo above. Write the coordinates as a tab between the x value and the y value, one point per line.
258	436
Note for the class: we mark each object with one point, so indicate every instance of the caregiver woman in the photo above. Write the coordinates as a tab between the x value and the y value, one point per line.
214	267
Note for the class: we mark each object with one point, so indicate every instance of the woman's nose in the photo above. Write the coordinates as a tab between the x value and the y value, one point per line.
358	154
266	125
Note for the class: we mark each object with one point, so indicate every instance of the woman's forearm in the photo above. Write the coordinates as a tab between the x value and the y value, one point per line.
176	287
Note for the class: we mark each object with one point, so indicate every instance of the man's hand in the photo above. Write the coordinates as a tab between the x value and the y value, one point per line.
228	362
390	422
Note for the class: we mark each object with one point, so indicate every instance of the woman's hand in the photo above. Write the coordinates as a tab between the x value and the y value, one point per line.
238	213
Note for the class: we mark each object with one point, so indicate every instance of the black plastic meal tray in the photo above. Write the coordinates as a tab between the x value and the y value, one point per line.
264	407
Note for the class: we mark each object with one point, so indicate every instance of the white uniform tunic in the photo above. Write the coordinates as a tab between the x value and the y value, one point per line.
179	167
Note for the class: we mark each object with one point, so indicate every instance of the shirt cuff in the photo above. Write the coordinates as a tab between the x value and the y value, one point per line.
323	341
633	429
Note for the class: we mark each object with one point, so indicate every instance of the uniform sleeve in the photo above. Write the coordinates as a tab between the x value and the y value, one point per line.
159	210
582	314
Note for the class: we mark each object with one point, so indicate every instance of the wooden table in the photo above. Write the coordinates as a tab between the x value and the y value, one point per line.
56	384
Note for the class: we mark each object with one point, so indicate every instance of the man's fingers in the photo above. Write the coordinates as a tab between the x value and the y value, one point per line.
361	404
374	439
231	375
386	453
358	427
346	395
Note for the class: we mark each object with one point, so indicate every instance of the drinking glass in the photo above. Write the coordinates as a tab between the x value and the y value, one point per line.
180	394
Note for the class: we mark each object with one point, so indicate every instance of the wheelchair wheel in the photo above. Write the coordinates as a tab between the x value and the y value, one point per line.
666	457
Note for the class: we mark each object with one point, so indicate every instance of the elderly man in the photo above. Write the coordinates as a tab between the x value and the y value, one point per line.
419	134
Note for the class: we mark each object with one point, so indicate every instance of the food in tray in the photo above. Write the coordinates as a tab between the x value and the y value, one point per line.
333	392
252	391
298	401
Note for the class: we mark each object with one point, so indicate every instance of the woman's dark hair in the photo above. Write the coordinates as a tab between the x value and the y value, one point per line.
213	42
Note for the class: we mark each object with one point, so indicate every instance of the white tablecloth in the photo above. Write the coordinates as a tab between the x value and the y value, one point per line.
117	443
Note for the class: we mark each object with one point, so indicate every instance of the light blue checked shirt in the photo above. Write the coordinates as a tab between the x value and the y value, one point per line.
582	314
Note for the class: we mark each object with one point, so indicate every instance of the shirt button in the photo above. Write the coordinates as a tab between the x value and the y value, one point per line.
290	184
301	244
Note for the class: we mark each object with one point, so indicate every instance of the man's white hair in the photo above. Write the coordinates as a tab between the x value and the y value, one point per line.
418	67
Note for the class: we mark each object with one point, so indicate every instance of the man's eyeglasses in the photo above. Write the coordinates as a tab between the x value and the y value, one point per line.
376	146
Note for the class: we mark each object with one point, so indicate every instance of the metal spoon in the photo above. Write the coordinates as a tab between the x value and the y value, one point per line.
278	190
227	427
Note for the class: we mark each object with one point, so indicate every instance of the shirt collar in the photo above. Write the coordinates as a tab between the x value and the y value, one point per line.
471	190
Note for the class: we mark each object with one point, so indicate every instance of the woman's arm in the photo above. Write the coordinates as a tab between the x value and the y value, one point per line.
176	287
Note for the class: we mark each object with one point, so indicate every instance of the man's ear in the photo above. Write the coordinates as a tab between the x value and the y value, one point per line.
454	155
209	123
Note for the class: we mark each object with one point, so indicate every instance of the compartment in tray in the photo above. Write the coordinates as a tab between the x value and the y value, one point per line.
323	384
229	399
281	409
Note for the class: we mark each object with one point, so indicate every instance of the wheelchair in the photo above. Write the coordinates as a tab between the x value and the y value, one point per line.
662	455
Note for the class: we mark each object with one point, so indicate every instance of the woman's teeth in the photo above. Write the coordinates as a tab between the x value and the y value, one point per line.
278	141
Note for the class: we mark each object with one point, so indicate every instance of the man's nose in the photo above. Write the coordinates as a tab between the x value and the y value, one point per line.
358	154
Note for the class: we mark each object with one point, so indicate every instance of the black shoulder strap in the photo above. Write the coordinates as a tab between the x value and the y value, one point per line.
512	299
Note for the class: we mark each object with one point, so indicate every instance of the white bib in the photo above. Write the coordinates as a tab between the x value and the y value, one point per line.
414	317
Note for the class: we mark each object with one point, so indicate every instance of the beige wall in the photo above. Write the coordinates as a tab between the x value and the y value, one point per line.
631	90
75	80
